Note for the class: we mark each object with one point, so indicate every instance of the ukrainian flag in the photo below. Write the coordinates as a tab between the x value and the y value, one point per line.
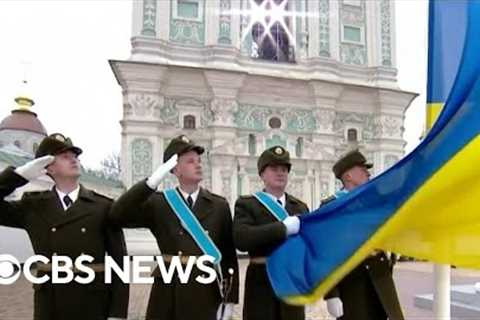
427	205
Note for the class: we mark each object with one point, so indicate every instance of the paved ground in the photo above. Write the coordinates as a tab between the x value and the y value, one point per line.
411	279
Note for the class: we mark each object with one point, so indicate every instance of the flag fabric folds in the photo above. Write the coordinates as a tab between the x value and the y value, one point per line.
425	206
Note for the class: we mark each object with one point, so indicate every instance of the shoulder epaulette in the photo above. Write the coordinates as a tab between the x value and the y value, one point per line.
102	195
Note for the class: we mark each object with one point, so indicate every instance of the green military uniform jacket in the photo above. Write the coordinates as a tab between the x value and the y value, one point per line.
258	232
81	229
141	207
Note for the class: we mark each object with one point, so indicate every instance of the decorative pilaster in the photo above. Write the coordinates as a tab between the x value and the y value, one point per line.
224	30
141	149
324	28
149	18
386	35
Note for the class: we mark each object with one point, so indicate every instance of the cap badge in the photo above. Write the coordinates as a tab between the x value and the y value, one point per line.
59	137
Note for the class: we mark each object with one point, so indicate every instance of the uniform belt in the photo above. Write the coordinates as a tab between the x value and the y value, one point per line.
258	260
96	267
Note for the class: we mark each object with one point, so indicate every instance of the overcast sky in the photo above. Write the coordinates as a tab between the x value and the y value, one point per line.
67	45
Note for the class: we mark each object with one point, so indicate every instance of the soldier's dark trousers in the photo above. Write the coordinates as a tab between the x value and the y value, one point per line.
260	300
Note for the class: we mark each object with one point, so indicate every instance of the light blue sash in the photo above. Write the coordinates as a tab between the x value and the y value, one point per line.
275	209
341	193
191	224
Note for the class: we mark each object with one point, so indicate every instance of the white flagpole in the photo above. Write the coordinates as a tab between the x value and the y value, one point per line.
441	296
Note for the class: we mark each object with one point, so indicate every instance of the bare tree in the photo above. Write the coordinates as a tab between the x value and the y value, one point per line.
110	166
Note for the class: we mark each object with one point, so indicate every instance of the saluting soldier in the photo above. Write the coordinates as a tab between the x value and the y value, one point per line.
368	292
166	214
68	220
262	221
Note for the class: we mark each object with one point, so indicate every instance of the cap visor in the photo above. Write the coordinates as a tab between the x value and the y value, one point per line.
197	149
75	150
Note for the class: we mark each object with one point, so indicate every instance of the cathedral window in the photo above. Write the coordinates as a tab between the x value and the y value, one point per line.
352	135
188	9
274	123
252	144
299	147
191	10
352	34
271	31
189	122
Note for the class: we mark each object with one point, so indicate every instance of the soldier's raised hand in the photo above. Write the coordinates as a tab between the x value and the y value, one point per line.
154	180
35	168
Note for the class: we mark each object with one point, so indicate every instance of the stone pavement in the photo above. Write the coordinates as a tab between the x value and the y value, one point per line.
410	278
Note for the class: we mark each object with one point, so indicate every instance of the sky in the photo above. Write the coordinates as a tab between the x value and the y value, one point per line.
64	46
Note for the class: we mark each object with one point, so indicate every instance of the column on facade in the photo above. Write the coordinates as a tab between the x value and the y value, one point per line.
389	123
313	27
373	33
326	96
224	176
242	180
300	31
163	19
225	86
334	24
143	100
313	183
307	191
212	10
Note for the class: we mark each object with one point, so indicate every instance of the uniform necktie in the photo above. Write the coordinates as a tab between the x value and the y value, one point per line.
190	201
280	202
68	201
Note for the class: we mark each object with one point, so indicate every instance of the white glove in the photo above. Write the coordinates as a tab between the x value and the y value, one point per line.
477	286
227	312
335	307
292	223
35	168
154	180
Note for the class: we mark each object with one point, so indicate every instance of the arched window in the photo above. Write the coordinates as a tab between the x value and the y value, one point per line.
273	44
35	147
17	144
352	135
252	144
299	147
189	122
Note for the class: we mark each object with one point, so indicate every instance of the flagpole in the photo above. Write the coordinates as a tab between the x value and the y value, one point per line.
441	272
441	296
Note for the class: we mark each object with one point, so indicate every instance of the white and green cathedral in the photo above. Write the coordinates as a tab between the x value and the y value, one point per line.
238	76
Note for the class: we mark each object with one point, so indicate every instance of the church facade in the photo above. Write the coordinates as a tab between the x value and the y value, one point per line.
317	77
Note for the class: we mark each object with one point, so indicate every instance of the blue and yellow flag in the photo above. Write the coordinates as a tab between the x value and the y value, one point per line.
426	206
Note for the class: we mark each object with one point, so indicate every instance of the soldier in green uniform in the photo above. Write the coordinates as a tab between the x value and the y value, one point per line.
68	220
142	206
368	292
262	221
